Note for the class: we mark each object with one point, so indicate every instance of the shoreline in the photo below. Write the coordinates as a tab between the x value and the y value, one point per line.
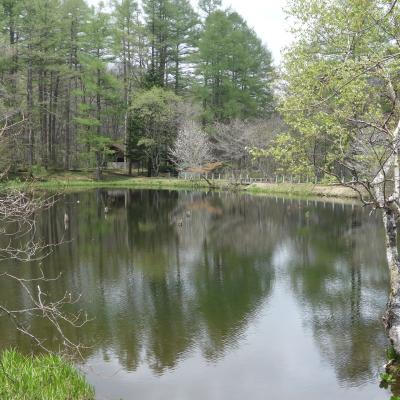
67	181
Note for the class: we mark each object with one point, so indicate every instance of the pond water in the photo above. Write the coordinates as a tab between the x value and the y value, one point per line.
217	296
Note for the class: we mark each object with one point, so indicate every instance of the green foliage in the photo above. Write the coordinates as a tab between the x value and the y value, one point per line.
391	354
46	377
73	71
184	28
209	6
152	125
288	155
338	90
171	30
387	378
38	170
235	67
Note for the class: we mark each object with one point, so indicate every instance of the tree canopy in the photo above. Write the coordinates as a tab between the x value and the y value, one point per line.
72	72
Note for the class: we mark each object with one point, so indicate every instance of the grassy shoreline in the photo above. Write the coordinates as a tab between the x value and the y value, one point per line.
43	376
70	180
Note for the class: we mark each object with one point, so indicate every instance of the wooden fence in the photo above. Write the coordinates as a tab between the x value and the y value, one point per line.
248	180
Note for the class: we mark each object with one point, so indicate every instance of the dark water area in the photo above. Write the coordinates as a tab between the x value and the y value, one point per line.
216	296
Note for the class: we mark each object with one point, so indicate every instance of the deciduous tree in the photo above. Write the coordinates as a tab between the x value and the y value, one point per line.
153	126
342	97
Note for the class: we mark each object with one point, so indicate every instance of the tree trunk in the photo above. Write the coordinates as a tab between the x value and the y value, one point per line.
177	82
54	125
392	315
98	166
29	87
68	127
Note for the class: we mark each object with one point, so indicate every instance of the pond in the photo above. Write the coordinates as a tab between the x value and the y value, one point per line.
217	296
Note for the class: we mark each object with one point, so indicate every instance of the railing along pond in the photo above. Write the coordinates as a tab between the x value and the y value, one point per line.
246	179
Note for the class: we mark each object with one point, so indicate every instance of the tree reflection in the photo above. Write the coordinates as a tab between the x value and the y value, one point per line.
157	289
337	272
166	274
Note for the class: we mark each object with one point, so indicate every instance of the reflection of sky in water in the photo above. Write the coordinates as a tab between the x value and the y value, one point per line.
223	296
277	359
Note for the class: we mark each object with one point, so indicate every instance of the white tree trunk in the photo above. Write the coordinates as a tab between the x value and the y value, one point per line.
392	316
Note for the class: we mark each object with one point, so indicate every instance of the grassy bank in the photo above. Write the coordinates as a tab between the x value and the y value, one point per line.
303	189
45	377
70	180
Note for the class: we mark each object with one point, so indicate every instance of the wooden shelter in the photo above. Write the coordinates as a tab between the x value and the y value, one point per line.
116	160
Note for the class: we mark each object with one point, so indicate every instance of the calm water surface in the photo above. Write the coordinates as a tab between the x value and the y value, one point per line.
218	296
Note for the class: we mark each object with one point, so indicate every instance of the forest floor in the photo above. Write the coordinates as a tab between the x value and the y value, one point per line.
68	180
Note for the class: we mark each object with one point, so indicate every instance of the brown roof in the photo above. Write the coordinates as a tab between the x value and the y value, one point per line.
117	147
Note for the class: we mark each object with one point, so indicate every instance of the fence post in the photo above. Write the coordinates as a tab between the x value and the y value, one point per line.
283	178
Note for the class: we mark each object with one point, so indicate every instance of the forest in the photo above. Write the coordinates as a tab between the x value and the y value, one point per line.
75	79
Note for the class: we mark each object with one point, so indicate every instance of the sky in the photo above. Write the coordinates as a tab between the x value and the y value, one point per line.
266	17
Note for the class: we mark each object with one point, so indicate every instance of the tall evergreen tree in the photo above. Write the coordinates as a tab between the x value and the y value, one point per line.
209	6
183	36
236	69
98	88
158	19
128	46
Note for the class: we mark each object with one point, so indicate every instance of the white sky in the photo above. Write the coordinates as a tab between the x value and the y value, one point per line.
266	17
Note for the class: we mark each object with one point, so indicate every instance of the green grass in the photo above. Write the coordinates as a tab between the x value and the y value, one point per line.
61	180
295	189
303	190
73	180
44	377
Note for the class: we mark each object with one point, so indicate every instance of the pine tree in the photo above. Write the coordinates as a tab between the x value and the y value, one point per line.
235	67
209	6
128	46
98	89
184	30
158	19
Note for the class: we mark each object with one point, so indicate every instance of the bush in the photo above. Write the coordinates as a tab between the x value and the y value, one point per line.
44	377
38	170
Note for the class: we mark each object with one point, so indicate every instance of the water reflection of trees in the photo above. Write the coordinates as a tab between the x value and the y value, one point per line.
167	273
337	272
157	288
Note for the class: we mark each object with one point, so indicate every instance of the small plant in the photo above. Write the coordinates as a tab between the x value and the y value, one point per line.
387	378
38	170
391	354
